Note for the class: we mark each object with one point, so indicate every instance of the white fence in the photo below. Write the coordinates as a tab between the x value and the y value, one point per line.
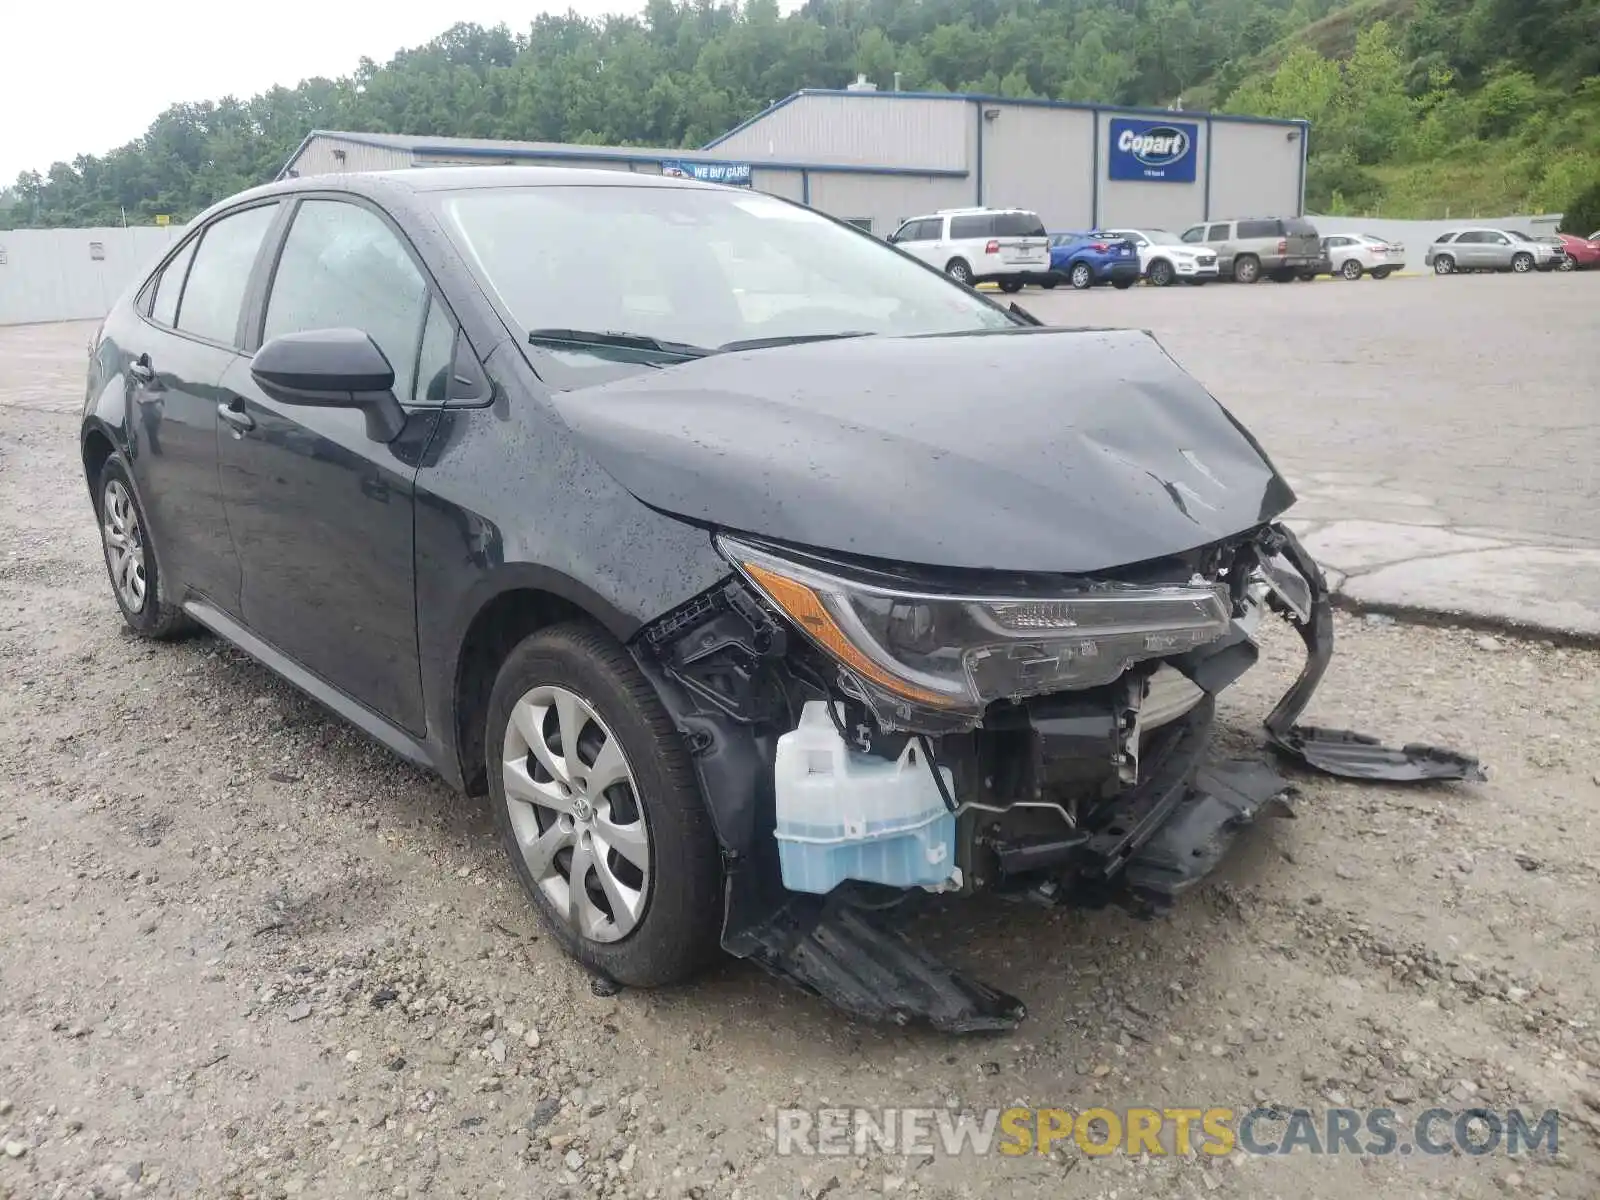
73	274
1417	236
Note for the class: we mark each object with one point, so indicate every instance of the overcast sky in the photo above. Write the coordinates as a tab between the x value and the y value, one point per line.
85	76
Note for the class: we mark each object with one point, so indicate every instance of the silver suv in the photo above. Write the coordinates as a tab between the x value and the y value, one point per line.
1278	247
1491	250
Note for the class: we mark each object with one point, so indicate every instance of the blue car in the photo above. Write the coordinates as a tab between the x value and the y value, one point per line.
1085	259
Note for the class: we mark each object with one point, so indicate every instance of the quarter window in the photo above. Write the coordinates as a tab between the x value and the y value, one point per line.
1258	229
437	358
977	226
220	274
342	267
164	309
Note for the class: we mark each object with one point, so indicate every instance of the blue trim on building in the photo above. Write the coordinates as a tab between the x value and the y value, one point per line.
602	154
985	98
978	154
1094	175
1205	211
1305	140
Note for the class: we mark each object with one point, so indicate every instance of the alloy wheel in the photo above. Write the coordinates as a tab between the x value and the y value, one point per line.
1568	264
1082	277
1443	266
1352	269
574	807
124	544
1522	264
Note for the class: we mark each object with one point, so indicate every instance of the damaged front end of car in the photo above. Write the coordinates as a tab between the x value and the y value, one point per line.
866	734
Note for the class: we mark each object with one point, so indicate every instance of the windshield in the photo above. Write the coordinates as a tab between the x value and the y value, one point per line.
694	267
1161	237
1519	235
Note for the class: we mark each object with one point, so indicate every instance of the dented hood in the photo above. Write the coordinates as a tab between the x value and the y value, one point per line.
1039	450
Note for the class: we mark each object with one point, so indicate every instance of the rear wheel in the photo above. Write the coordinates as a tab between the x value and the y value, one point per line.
1050	282
597	805
1123	285
1307	276
1161	273
1285	276
1081	277
959	270
130	558
1246	269
1382	272
1444	265
1351	270
1522	263
1010	285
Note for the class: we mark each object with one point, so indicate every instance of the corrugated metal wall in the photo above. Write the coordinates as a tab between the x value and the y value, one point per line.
52	274
318	157
886	199
1153	204
1255	171
877	131
1037	158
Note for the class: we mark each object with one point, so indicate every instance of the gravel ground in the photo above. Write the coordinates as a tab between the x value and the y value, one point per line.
247	953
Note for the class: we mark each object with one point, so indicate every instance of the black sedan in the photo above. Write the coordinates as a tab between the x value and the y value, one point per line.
761	575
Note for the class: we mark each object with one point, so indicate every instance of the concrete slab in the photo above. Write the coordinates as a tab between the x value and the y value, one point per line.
1542	588
1358	546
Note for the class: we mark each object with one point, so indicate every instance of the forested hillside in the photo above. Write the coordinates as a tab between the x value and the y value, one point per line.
1415	104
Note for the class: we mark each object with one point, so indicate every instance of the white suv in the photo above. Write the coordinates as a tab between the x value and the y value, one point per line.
1007	246
1164	258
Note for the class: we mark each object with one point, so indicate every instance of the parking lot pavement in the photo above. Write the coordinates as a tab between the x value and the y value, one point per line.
246	953
1442	433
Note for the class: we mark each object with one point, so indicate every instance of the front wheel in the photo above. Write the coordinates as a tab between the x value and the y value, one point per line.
1522	263
1351	270
1247	270
597	804
1081	277
1010	285
1444	265
1568	264
958	270
1161	273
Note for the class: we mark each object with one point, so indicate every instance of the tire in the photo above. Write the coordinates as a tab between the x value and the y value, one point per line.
1161	273
1123	285
1568	264
1382	272
1247	269
577	676
1289	276
959	270
1052	281
1010	286
1081	276
1351	270
126	544
1444	265
1522	263
1307	276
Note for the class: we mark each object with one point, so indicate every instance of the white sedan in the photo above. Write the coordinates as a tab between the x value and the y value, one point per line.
1353	255
1164	258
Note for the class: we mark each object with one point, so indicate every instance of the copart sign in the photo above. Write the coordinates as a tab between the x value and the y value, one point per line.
1156	151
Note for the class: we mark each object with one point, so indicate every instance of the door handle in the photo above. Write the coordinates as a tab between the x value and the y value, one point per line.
142	371
232	411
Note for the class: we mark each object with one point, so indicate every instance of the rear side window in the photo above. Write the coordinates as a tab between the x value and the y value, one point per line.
342	267
979	225
1259	229
1443	238
164	308
220	274
1018	225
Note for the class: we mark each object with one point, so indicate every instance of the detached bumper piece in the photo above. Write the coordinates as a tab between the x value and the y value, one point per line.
844	955
1337	751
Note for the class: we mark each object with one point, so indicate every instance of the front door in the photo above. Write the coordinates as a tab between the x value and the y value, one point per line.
177	355
321	513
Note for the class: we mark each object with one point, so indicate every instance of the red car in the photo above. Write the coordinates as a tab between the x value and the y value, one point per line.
1582	253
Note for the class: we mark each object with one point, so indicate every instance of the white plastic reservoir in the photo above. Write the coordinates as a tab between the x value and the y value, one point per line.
845	815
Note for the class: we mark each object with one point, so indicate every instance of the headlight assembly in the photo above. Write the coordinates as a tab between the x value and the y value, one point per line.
918	655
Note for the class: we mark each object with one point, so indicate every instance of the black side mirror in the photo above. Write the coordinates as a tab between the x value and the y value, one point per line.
332	368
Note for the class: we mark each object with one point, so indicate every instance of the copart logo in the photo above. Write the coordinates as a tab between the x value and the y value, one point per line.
1158	147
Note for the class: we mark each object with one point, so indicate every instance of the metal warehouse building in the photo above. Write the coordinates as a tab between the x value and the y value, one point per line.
876	158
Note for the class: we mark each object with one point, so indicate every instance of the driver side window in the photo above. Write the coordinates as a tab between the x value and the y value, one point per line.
343	267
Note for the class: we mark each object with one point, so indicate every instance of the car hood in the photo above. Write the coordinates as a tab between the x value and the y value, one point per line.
1030	450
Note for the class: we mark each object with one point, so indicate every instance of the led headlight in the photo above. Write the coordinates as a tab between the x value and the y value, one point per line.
958	653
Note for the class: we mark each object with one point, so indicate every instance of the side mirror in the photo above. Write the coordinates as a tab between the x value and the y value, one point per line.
332	368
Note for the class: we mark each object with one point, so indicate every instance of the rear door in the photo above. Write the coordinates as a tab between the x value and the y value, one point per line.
1219	238
1024	244
186	339
321	512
